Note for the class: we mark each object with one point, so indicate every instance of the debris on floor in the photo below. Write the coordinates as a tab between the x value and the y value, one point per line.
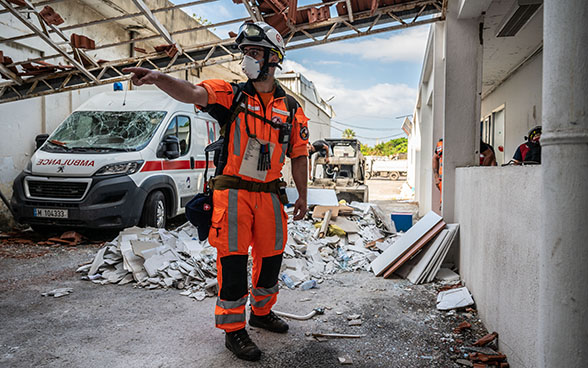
156	258
57	293
454	299
426	265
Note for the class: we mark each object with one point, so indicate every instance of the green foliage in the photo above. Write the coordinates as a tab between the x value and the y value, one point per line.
202	20
348	133
392	147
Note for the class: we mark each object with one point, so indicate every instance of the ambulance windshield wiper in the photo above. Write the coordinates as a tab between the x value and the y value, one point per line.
56	143
101	149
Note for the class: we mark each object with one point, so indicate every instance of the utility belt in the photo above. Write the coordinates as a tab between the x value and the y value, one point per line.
222	182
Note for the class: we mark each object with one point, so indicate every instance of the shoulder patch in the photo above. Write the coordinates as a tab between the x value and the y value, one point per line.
304	133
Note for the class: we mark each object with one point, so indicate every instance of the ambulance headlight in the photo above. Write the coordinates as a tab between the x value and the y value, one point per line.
29	168
125	168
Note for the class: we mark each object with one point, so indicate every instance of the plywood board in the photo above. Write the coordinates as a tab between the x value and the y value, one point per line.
319	211
413	250
402	245
412	269
453	228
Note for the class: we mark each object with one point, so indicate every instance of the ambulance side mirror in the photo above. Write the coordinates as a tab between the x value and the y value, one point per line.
40	139
169	147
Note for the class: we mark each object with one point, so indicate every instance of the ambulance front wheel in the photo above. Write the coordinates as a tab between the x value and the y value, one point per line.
154	210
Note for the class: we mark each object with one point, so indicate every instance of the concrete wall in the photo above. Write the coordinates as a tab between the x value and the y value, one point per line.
521	96
499	236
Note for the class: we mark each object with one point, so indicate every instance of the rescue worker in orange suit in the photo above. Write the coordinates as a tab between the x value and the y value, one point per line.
249	217
438	165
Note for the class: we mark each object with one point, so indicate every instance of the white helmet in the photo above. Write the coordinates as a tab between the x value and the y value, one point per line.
261	34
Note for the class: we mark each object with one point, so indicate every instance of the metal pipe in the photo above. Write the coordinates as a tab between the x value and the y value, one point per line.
301	318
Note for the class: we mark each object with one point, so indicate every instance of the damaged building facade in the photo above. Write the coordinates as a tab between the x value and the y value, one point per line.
493	70
110	32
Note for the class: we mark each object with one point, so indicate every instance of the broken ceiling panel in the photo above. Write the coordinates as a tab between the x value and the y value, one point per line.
300	26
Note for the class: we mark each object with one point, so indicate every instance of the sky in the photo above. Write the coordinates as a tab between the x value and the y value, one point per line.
370	81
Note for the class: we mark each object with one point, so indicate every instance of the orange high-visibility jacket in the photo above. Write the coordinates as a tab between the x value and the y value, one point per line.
221	92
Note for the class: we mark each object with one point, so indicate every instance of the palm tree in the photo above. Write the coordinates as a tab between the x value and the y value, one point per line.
348	133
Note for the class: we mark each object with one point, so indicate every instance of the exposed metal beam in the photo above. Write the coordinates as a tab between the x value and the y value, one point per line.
363	33
40	3
217	51
139	39
47	39
156	24
10	74
111	19
253	11
349	10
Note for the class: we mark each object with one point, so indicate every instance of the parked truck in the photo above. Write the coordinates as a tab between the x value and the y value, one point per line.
116	161
378	166
344	172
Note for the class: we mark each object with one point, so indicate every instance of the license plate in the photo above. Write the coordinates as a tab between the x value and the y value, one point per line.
50	212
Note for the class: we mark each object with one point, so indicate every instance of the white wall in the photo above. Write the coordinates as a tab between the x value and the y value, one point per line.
499	237
521	95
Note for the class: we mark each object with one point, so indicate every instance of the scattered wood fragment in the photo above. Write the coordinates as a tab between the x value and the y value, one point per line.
486	339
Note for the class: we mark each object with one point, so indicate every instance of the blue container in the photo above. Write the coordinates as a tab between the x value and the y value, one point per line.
402	221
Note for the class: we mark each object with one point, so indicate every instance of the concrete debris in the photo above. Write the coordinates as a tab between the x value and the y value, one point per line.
454	298
57	293
157	258
345	360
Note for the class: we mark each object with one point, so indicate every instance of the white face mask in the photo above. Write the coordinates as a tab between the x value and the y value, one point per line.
251	67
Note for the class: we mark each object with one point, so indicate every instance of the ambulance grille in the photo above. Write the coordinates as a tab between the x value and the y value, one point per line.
48	189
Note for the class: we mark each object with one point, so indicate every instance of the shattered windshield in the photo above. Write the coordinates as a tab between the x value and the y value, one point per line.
104	131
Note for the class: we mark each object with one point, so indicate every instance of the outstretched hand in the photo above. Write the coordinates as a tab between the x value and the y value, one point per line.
142	76
300	209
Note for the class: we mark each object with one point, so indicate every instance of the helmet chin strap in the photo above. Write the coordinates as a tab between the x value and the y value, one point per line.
264	72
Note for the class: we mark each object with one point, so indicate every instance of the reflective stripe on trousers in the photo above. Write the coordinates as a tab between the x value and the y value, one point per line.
230	315
260	297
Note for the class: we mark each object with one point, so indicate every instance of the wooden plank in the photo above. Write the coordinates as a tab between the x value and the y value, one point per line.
415	248
325	225
319	211
413	269
402	245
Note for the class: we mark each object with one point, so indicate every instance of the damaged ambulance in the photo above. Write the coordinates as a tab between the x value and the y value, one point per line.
116	161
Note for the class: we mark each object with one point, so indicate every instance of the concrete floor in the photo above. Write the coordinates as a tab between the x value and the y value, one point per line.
124	326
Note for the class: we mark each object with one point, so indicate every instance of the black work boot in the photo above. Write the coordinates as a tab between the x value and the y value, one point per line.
269	322
241	345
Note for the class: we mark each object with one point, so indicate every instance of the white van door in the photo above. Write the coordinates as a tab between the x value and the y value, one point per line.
206	132
182	169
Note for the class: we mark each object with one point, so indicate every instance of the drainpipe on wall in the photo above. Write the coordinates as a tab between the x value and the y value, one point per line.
563	272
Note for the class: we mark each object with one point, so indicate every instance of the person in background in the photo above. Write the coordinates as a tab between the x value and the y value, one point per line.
438	165
487	156
322	148
530	151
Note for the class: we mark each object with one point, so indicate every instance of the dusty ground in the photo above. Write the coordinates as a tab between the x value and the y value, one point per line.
118	326
123	326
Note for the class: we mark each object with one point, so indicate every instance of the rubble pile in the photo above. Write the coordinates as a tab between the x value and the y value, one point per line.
158	258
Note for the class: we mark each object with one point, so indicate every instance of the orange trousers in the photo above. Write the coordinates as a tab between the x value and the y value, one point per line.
242	219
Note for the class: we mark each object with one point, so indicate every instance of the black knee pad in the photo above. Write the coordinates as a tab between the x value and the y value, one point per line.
234	273
270	269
